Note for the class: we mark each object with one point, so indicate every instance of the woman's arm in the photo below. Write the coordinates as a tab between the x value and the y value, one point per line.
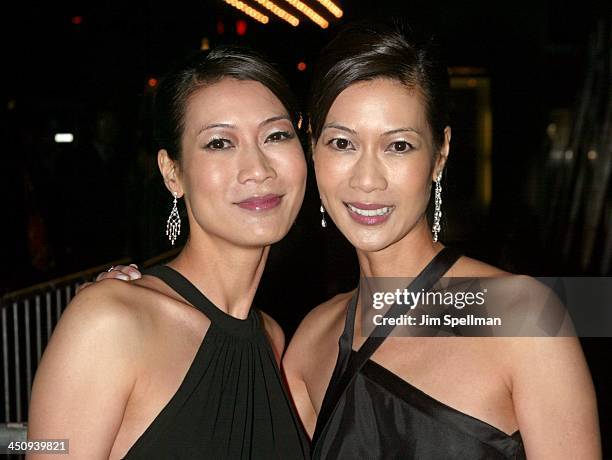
554	398
86	375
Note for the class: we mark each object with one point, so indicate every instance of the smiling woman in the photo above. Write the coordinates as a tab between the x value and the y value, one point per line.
381	140
244	157
386	118
178	364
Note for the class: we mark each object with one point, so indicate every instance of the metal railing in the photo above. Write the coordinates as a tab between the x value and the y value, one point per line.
27	319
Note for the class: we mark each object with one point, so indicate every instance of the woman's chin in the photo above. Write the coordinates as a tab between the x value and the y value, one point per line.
369	244
261	237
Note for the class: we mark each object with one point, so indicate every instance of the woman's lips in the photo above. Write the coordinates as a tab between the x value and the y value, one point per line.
261	203
369	213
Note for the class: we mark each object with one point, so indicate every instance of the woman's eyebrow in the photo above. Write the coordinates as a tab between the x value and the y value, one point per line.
273	119
229	125
340	127
215	125
402	130
386	133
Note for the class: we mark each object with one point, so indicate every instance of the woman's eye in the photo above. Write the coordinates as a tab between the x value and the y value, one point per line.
340	144
400	146
218	144
279	136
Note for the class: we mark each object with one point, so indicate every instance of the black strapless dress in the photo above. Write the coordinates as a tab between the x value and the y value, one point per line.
232	403
369	413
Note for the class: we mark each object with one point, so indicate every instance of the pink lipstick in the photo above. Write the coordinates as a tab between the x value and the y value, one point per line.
261	203
369	213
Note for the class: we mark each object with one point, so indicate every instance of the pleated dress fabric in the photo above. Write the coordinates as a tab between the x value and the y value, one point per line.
232	403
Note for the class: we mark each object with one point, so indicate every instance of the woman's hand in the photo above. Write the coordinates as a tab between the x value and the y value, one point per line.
120	272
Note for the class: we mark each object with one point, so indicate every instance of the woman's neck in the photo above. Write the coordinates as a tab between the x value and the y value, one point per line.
404	258
226	273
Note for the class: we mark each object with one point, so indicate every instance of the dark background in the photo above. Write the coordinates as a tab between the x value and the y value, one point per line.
85	68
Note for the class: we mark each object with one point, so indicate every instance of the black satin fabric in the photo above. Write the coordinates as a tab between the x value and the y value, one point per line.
381	416
232	403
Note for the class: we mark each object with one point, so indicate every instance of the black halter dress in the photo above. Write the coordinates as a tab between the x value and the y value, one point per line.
232	403
369	413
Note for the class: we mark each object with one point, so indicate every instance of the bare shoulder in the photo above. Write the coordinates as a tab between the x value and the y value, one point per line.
115	309
109	304
468	267
320	323
275	334
101	322
324	316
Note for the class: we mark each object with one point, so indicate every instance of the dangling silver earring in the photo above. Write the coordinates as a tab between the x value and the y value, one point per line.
323	221
173	226
437	208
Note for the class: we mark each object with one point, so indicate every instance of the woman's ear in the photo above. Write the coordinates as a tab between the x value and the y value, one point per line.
443	155
169	170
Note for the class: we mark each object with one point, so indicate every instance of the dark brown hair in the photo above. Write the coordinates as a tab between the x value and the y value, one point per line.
363	52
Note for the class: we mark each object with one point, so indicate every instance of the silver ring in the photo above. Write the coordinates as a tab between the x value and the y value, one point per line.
111	269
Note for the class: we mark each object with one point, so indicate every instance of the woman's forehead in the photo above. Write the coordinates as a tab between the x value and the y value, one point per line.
233	99
378	100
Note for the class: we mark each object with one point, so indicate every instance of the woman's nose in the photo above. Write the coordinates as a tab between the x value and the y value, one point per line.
368	174
255	166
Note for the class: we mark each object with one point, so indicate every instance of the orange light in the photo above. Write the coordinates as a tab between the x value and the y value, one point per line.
331	7
152	82
76	20
309	12
246	9
278	11
301	66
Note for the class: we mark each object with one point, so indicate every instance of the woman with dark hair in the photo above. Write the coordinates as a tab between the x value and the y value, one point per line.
381	138
178	364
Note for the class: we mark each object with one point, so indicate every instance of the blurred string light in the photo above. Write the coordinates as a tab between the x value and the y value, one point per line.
246	9
332	8
308	12
152	82
278	11
301	66
205	44
64	138
77	20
